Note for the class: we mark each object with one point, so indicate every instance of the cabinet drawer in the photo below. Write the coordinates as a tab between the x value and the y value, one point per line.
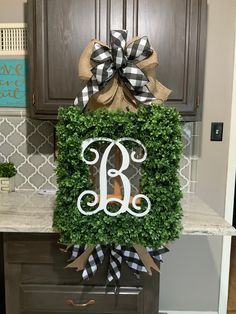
57	299
42	263
36	282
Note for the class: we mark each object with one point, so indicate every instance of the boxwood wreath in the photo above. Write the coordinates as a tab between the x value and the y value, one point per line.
159	129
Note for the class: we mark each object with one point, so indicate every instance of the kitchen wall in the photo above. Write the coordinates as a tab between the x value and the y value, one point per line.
13	11
195	284
190	275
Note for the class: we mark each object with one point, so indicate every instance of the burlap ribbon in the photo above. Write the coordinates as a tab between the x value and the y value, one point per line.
138	258
121	76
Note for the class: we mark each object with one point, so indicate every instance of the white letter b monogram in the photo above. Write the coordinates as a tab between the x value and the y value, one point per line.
103	173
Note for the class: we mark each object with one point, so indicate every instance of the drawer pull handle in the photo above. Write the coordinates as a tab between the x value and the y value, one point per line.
71	302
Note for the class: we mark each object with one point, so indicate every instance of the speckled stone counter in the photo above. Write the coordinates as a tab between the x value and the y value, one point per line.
32	212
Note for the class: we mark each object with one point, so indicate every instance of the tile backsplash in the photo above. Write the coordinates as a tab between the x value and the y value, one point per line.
189	160
30	145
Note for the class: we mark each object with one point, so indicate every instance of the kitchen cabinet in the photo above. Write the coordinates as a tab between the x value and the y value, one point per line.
59	30
37	282
2	301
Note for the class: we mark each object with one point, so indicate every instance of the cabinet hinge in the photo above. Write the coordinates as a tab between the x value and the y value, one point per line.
197	104
33	99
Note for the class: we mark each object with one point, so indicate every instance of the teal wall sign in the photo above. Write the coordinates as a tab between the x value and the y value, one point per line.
13	83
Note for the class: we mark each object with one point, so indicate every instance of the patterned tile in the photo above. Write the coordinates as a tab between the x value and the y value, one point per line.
184	170
29	145
189	160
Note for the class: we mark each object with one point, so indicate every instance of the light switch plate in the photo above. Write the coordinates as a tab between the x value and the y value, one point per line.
216	131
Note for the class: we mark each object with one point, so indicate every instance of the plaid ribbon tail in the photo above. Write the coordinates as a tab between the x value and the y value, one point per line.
144	95
91	88
114	272
133	260
157	253
135	80
76	252
94	260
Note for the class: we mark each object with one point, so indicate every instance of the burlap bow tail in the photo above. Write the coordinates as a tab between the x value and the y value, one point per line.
119	76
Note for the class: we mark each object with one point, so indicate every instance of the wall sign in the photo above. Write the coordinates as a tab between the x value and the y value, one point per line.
13	83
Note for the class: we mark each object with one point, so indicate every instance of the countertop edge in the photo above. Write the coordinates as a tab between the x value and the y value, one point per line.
30	212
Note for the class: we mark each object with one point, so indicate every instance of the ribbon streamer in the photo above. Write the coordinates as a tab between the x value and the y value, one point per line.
94	260
119	62
138	258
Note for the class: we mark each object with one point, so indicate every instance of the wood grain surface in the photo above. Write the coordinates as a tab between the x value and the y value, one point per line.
232	279
59	31
2	305
38	282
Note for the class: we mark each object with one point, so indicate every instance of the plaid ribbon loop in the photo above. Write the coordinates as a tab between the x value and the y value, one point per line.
117	254
119	60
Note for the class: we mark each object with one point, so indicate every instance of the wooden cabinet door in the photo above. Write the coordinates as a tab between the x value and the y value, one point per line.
59	30
2	297
176	30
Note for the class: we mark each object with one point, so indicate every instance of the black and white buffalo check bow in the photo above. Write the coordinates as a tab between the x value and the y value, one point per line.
119	60
118	253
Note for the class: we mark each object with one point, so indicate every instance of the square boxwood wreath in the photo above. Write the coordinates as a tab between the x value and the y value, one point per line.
159	129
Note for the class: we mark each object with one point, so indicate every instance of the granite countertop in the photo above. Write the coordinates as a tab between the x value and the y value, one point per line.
31	212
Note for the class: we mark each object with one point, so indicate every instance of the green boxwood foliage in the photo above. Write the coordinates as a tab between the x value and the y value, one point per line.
159	129
7	170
